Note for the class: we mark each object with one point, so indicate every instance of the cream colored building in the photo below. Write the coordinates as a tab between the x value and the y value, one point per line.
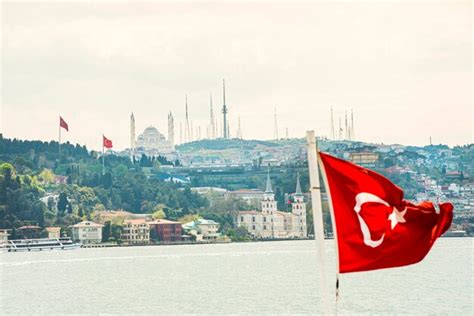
4	236
135	231
53	232
87	232
271	223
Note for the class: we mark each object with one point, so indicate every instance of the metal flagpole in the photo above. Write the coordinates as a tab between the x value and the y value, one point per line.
60	141
315	190
333	221
103	156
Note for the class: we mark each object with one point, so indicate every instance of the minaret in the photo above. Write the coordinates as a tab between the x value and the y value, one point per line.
187	129
224	113
352	125
132	135
180	133
333	136
287	137
171	129
276	125
191	139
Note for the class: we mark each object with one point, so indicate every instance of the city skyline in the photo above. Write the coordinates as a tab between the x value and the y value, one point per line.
101	65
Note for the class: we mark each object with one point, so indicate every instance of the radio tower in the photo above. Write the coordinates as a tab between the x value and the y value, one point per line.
352	125
224	113
212	128
347	136
187	130
239	131
333	136
276	125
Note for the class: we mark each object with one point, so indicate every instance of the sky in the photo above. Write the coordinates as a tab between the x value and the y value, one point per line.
404	67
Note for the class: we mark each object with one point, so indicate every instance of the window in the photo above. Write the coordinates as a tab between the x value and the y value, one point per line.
253	227
253	219
264	219
241	218
264	227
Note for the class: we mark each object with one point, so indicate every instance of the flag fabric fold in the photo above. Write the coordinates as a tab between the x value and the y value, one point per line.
63	124
375	227
107	143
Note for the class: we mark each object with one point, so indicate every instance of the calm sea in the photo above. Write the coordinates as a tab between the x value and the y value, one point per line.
240	278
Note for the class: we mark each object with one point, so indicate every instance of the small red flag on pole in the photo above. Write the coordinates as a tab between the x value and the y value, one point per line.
63	124
107	143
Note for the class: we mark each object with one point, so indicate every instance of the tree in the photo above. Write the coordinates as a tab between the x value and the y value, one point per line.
160	214
62	203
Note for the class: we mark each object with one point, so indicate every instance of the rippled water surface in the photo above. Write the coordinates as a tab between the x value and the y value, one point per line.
239	278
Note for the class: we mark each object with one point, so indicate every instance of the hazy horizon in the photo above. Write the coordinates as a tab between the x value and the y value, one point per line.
405	67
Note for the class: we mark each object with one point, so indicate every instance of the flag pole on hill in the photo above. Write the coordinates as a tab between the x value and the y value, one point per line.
106	143
103	154
315	189
62	124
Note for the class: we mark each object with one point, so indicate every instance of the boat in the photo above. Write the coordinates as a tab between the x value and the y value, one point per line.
63	243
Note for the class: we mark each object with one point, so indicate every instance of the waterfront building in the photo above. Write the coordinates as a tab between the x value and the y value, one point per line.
29	231
87	232
4	236
53	232
271	223
202	229
165	230
135	231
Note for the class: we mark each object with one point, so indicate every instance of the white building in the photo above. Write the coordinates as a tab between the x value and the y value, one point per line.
87	232
152	143
202	229
271	223
135	231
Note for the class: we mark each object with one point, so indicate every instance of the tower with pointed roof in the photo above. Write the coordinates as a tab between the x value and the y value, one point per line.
298	208
269	205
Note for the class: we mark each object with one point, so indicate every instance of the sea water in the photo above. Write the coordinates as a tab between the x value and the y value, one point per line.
239	278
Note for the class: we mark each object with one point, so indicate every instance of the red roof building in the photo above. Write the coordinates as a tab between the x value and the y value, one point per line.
165	230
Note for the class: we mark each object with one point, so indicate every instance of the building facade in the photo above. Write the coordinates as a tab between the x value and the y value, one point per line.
53	232
271	223
165	230
135	232
202	229
87	232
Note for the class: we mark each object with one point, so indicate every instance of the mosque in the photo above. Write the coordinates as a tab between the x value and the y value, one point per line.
151	142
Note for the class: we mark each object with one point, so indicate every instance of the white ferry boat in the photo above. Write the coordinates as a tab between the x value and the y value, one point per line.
64	243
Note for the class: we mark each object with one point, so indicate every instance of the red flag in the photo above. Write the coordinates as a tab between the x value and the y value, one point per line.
107	143
375	227
63	124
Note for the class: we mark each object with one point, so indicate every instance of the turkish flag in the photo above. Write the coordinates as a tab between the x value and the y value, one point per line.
107	143
63	124
375	227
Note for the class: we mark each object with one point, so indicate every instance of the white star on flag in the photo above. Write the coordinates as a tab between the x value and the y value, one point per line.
397	217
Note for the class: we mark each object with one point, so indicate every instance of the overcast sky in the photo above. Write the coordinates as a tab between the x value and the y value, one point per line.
405	67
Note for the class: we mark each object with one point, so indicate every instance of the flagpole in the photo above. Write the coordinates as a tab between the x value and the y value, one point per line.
60	142
315	190
103	156
333	222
